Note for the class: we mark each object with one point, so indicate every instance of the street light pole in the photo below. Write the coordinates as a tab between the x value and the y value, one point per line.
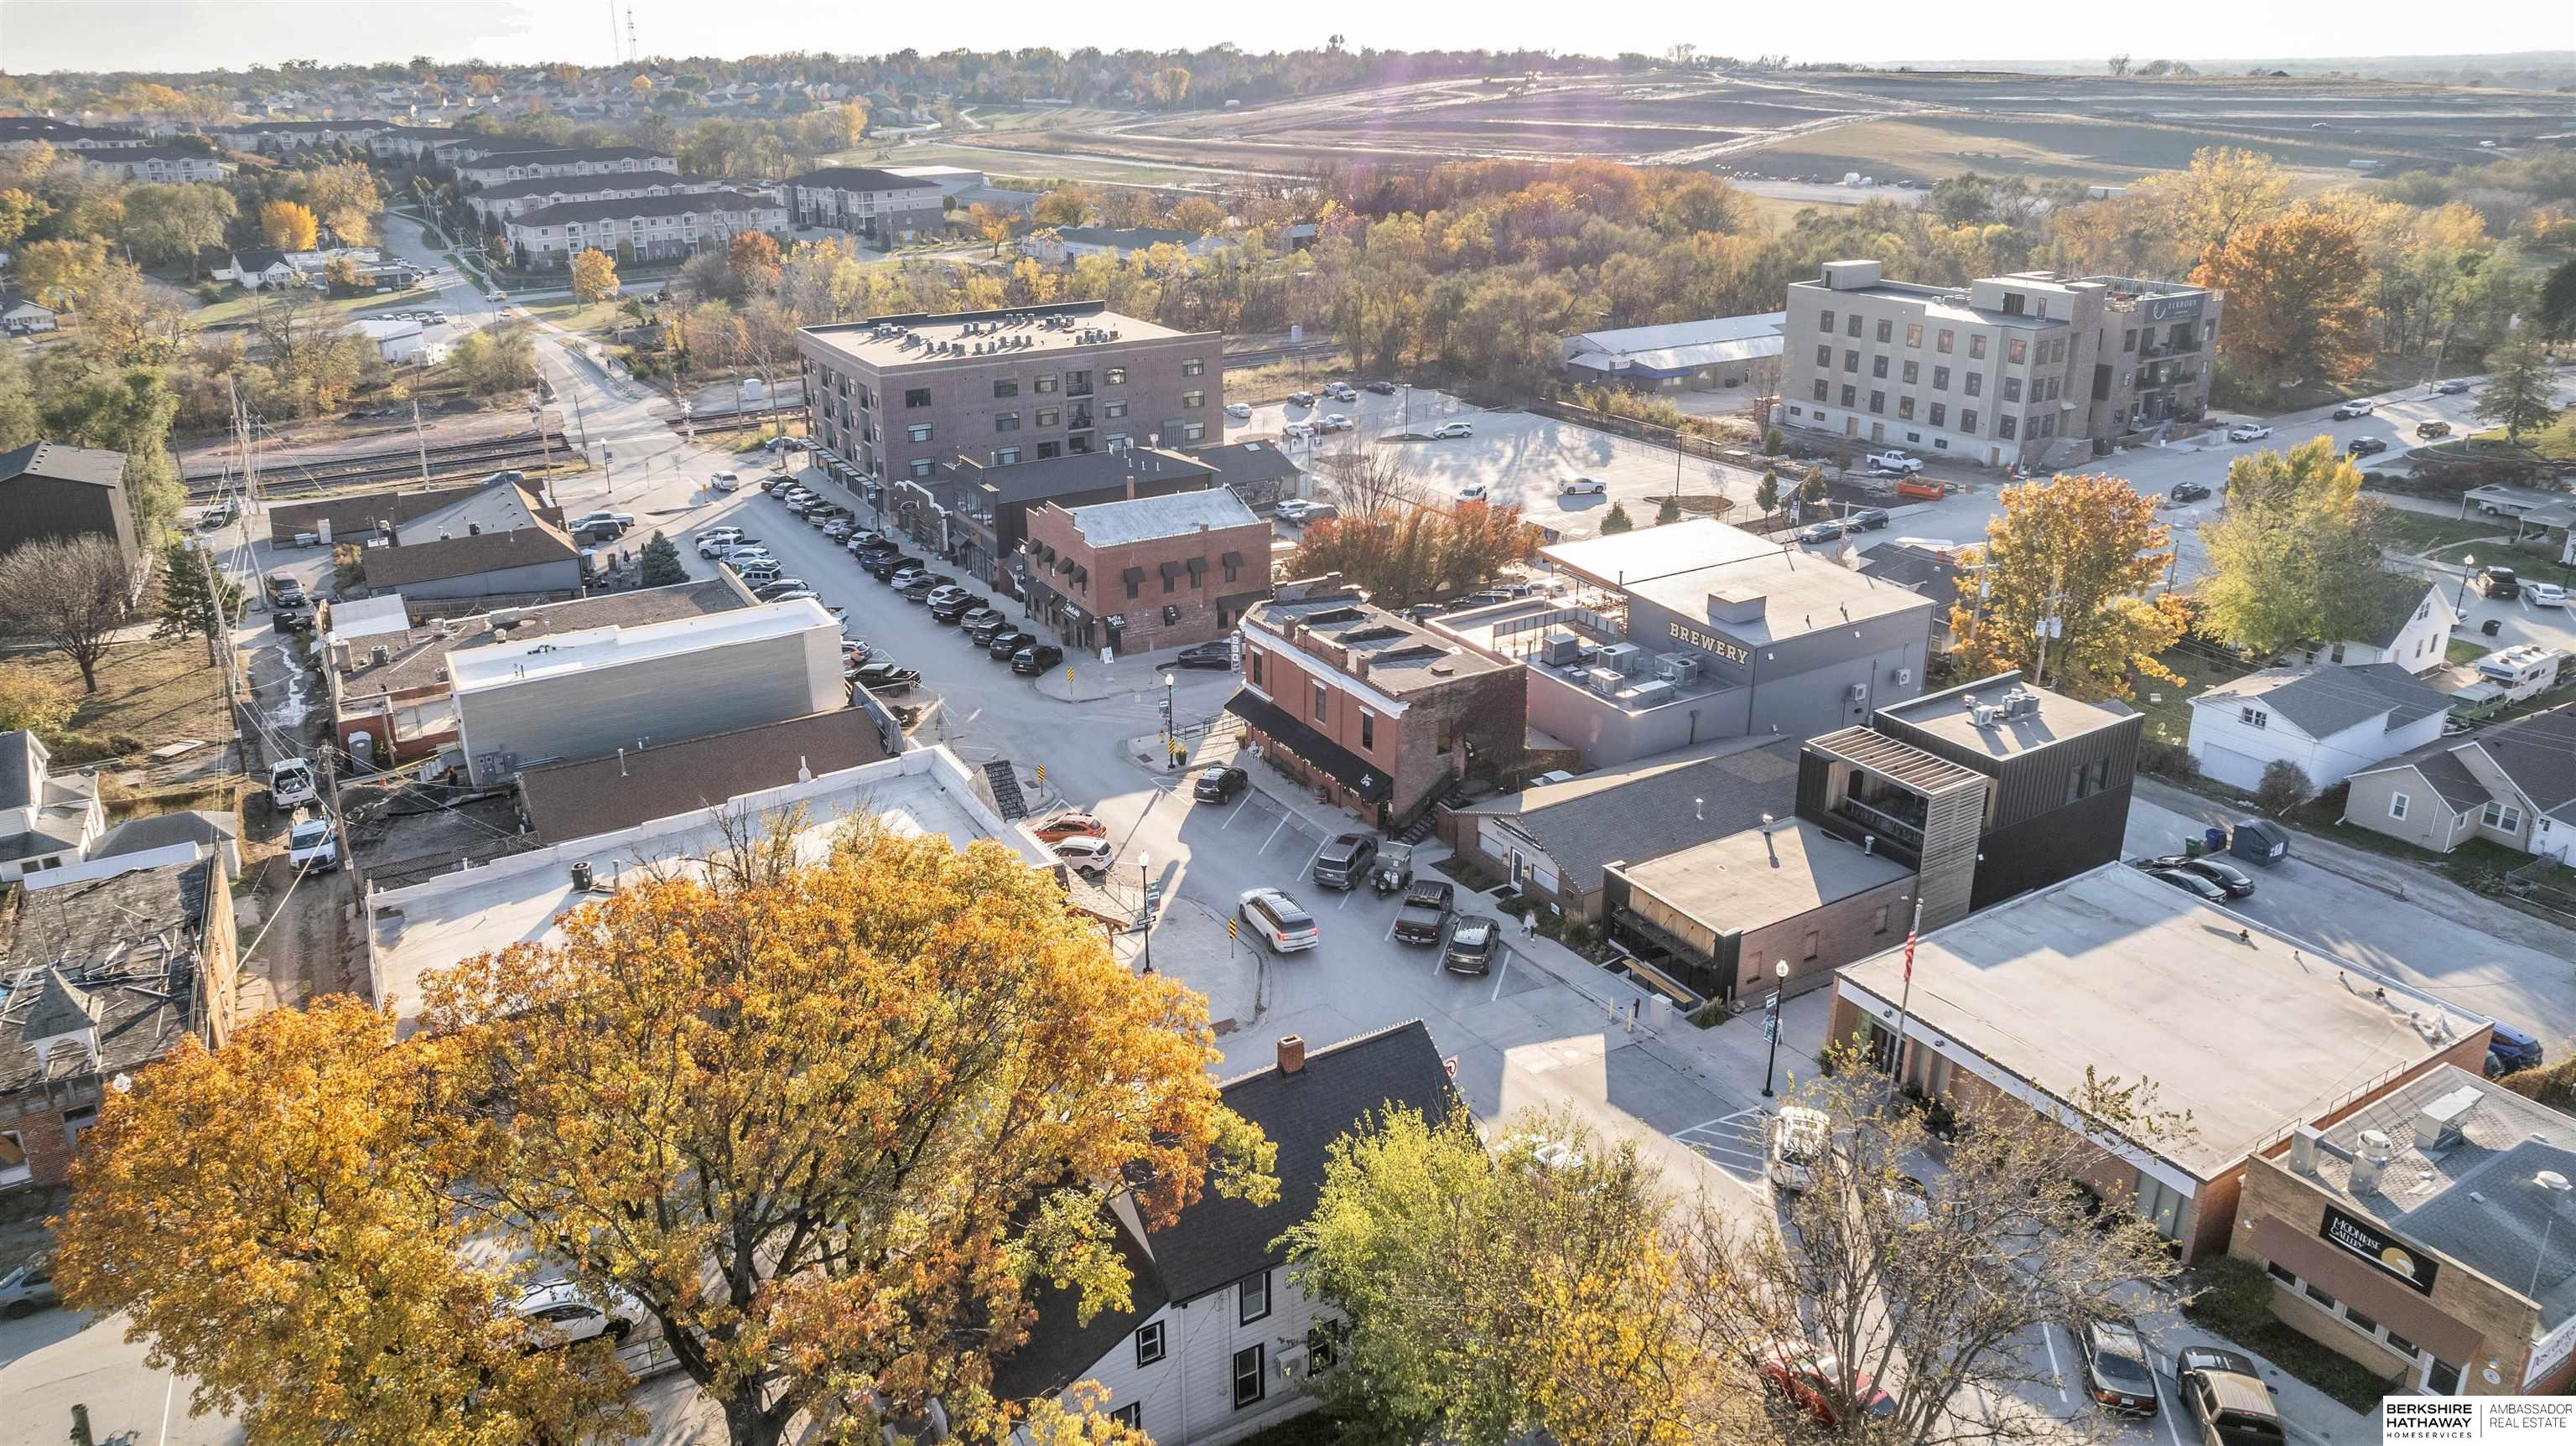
1145	884
1171	728
2468	567
1779	974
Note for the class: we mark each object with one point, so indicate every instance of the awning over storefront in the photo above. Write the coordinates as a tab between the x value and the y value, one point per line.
1352	771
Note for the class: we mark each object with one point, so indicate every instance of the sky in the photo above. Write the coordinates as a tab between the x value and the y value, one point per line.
42	35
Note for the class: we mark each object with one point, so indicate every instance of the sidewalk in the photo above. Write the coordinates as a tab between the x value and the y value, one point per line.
2309	1415
1093	680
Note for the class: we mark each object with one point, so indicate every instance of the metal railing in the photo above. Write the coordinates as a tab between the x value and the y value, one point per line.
1910	835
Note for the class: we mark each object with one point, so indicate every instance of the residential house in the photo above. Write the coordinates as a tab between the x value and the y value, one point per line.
2513	784
501	168
103	977
191	833
2330	721
1924	566
47	820
879	206
23	132
649	229
50	492
1057	245
1218	1334
456	509
1720	352
2412	628
23	315
257	270
2021	1005
1144	574
538	561
1380	715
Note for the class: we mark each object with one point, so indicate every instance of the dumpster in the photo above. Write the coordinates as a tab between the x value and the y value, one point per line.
2260	840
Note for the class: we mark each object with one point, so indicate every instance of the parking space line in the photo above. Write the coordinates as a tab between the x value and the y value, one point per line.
1274	834
1238	808
2048	1338
1346	900
1390	927
1309	870
2171	1434
1502	972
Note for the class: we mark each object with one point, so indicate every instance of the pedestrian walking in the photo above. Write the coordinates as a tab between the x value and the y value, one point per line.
1529	924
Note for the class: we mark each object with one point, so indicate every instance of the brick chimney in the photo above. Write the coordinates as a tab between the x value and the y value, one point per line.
1131	486
1292	1053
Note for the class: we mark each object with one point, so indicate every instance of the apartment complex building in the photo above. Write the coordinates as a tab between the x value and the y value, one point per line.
668	227
873	204
503	167
898	395
2005	370
517	198
1386	717
159	165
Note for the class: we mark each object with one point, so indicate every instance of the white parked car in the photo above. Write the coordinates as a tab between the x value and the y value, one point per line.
1341	391
1472	492
2545	594
1085	854
1240	411
559	1314
1295	509
1336	422
310	845
2247	432
1278	922
1798	1141
744	556
1298	429
1449	430
1893	462
724	481
1579	487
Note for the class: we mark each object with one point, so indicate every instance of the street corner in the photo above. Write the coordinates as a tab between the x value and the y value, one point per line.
1193	943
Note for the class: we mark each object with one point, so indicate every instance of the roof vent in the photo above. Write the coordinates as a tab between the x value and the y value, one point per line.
2303	1149
2438	1121
2369	1161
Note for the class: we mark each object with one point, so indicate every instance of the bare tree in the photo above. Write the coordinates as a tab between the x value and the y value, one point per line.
74	594
2119	64
1932	1294
1361	482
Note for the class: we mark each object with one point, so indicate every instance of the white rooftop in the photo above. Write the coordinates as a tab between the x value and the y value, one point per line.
1141	519
368	617
1681	344
496	664
429	926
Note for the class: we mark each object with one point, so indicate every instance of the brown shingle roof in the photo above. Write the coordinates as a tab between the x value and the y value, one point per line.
603	795
392	567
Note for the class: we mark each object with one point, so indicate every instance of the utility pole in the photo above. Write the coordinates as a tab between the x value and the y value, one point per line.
2051	624
417	440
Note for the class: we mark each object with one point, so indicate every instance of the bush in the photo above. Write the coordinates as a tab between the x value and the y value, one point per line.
2233	1298
2284	786
32	701
1771	440
2167	760
1668	511
1617	519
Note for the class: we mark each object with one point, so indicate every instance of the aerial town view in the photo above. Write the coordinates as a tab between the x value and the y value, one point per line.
783	725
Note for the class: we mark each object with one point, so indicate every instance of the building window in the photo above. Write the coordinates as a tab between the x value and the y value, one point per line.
1848	394
13	1158
1005	456
1193	399
2016	351
1851	361
1368	729
1116	440
2502	816
1050	416
2012	389
1940	379
2317	1293
2273	1269
1249	1382
1878	367
916	397
2005	427
1942	340
2442	1378
1851	324
1976	345
1905	409
1886	330
1822	386
1193	431
2398	803
1003	388
1826	325
1149	1343
1252	662
1113	409
918	432
1878	403
1115	377
1319	702
1131	1416
921	467
1824	356
1968	420
1913	335
2366	1324
1913	373
1252	1298
2403	1346
1047	384
1938	410
1050	449
1194	367
2129	340
1006	421
1974	384
1814	942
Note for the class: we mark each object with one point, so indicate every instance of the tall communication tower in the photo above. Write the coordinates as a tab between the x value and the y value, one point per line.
632	53
612	32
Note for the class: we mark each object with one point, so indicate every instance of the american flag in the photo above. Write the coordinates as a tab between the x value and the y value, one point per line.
1909	956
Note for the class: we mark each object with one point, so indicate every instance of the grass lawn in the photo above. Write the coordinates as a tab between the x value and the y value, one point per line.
152	693
2167	707
238	310
597	320
2460	650
2557	441
2454	540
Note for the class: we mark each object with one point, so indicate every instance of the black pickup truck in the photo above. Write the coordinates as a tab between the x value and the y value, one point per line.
1425	914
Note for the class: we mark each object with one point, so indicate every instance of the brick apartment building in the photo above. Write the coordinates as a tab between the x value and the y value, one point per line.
976	517
1147	574
2024	368
1385	716
877	205
895	396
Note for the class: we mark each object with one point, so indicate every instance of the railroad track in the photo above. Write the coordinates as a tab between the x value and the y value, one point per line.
292	477
1299	351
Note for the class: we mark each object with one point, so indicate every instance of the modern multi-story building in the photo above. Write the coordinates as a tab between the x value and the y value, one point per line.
877	205
1147	574
897	395
2005	370
667	227
504	167
1384	715
977	517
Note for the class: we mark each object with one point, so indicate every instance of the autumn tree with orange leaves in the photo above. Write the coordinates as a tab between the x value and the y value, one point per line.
2062	584
831	1124
2296	303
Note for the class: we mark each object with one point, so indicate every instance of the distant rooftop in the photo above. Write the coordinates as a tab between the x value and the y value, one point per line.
1681	565
419	655
2083	975
1945	715
1142	519
1392	654
1751	878
513	662
920	337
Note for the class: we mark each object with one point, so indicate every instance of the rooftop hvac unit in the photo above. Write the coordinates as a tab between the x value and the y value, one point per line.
1626	657
1651	694
1560	649
1678	668
1604	681
1857	692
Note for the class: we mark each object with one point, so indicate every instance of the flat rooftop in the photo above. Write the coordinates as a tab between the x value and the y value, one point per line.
952	337
454	916
1945	715
1677	567
2132	978
1748	879
2468	1192
418	657
618	646
1394	654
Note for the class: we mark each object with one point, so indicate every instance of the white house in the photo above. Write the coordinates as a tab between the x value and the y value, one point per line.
2413	629
401	341
2330	721
1218	1337
23	315
45	822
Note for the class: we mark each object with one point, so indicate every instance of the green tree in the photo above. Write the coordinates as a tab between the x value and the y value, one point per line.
1766	493
661	560
2070	562
2521	390
129	412
1617	519
164	223
190	606
1668	510
1492	1293
2294	557
1811	489
2557	316
19	423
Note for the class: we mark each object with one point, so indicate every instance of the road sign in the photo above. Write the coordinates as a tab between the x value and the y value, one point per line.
1233	930
1771	1001
1041	775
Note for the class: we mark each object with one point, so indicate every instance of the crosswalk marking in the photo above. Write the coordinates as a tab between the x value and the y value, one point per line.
1736	1143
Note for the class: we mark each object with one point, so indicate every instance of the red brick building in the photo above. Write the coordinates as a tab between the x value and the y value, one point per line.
1386	716
1146	573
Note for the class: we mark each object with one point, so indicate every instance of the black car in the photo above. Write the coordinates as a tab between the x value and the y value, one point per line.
885	675
885	567
981	624
1819	532
284	591
2497	582
2237	883
1219	661
926	584
1345	861
1220	785
1007	642
1036	658
1868	519
1471	944
2188	492
2366	446
292	620
950	609
2116	1372
867	538
1383	389
2191	883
